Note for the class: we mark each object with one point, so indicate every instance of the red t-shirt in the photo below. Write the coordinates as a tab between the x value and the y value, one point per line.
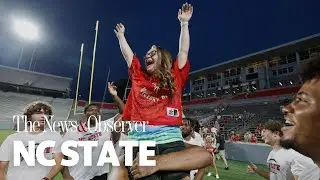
233	138
147	103
254	140
238	138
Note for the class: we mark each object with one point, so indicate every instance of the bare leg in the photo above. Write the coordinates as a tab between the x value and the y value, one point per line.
176	161
223	156
214	164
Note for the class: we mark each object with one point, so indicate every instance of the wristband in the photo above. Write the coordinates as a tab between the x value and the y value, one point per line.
184	23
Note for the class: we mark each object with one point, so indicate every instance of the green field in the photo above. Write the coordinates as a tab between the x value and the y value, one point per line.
237	171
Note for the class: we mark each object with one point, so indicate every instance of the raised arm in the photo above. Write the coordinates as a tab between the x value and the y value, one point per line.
184	15
124	46
175	161
113	91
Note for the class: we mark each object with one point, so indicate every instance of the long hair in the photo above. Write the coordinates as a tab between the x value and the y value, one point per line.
163	73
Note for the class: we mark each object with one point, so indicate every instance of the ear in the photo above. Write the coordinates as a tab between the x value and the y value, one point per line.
277	133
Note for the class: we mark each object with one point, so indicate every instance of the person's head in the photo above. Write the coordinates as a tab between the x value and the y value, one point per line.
302	115
209	139
196	127
91	111
37	112
158	62
186	127
271	132
219	134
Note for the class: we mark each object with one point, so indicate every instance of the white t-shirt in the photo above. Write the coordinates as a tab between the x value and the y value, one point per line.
285	163
197	141
198	138
79	171
311	174
119	150
214	130
24	171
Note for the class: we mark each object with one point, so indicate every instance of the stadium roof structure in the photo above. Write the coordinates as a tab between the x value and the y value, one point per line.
266	54
15	76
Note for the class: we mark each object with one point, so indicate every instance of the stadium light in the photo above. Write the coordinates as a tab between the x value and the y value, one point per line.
280	83
26	30
291	82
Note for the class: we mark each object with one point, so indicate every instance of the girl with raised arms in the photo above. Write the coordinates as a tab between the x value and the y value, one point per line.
155	97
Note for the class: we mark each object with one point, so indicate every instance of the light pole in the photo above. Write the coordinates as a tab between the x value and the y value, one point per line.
20	56
27	31
34	49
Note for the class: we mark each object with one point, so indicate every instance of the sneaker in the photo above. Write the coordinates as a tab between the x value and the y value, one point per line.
209	174
226	168
217	176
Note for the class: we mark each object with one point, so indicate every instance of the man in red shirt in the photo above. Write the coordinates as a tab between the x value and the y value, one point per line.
233	136
155	98
238	137
254	139
259	128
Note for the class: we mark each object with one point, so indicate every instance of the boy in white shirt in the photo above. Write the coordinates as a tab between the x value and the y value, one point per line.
283	163
36	114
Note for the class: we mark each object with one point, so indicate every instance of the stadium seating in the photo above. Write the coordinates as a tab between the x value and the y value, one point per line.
14	104
267	93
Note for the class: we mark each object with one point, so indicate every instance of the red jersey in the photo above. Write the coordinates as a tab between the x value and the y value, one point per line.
254	140
146	102
210	148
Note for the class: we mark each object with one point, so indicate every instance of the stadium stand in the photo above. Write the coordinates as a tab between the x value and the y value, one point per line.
18	88
14	104
13	79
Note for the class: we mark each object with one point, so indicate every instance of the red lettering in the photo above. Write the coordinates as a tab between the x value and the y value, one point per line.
47	150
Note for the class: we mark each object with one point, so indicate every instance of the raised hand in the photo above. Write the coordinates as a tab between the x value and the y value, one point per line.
112	89
185	13
252	168
119	31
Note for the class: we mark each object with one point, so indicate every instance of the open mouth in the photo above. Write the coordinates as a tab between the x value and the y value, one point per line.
288	129
149	62
289	123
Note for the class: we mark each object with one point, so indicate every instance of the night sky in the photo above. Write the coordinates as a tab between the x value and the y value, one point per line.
219	30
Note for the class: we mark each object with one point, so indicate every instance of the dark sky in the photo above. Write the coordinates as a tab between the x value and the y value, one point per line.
220	30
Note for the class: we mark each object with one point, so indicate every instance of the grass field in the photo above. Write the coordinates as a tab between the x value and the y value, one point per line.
237	171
